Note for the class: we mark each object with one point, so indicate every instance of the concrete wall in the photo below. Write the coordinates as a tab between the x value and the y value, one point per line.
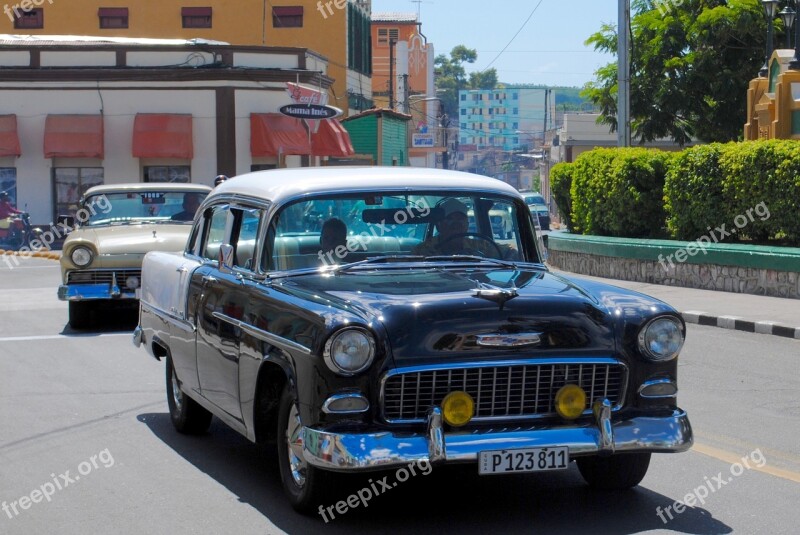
734	268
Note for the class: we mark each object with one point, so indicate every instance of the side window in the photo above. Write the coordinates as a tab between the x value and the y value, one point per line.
196	237
245	245
217	230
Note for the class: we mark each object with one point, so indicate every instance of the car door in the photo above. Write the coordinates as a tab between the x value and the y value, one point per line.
220	307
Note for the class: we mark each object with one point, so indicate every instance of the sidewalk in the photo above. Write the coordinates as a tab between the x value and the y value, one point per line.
742	312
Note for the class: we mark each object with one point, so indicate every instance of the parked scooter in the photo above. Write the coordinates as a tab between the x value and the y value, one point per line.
17	232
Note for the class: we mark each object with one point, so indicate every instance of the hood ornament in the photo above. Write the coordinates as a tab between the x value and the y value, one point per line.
509	339
495	293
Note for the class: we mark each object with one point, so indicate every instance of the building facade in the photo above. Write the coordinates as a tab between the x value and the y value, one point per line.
339	30
509	118
403	80
80	112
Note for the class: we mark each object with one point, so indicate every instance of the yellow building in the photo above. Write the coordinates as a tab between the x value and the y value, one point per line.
773	103
337	29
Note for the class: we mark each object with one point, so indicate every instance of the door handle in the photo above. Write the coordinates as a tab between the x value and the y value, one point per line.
208	279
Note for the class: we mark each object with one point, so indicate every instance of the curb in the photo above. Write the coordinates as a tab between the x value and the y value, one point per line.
740	324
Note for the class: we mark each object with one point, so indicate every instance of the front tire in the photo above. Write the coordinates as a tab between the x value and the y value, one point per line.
617	472
304	485
187	416
79	314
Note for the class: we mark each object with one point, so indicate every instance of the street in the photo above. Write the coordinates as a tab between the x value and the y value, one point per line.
87	445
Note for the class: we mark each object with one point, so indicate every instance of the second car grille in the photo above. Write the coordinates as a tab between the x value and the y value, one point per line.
102	276
500	392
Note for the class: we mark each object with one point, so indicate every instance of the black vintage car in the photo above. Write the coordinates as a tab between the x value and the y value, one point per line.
369	318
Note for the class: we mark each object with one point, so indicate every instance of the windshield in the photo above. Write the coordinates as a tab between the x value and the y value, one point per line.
140	206
534	199
333	230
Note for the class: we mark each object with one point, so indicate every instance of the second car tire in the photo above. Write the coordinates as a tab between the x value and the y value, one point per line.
616	472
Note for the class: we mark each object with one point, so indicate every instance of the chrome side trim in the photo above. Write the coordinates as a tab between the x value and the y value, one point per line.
381	449
265	336
451	367
166	316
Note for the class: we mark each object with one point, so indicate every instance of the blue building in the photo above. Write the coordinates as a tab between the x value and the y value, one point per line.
509	118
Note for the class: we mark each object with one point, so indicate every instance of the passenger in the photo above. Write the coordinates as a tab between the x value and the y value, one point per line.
191	202
333	241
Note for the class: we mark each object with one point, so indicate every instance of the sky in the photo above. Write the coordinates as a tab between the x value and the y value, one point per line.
549	50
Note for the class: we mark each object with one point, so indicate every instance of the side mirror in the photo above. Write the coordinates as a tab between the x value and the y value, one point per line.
226	258
66	221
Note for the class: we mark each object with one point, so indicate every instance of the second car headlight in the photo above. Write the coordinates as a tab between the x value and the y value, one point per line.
81	256
661	339
350	351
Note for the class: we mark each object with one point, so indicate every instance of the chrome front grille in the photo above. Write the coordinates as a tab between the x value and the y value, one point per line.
102	276
501	392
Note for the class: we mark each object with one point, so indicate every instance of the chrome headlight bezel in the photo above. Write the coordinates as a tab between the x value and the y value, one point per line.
81	249
332	352
657	327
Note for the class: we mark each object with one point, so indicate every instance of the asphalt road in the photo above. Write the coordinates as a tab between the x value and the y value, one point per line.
83	419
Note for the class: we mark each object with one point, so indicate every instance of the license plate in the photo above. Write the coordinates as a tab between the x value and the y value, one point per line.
523	460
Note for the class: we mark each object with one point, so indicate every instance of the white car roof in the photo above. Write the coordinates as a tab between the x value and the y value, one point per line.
147	186
281	185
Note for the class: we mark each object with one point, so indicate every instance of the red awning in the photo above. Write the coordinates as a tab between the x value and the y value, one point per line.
163	135
73	136
331	139
9	141
273	134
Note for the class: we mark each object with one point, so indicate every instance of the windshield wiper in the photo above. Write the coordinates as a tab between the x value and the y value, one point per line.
470	258
379	260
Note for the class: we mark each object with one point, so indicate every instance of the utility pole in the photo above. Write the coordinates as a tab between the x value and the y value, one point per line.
623	75
391	73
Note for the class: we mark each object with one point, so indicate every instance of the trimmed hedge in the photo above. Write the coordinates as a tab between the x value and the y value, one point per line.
619	192
753	188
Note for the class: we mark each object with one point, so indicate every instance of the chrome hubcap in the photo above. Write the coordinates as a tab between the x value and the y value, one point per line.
294	444
177	396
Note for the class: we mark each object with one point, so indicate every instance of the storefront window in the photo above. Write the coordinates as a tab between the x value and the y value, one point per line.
168	173
8	182
69	184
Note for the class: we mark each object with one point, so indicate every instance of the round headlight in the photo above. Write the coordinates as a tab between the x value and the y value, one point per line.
81	256
349	351
661	339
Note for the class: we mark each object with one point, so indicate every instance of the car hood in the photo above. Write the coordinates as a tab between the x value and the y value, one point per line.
132	239
433	313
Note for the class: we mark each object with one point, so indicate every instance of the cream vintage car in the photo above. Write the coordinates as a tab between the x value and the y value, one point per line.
116	225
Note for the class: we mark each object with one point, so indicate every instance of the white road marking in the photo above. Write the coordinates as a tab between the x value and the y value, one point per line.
60	336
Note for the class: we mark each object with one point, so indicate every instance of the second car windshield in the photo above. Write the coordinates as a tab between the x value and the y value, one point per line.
335	230
139	206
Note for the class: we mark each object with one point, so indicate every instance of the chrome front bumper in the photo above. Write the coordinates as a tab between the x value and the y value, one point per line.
345	452
87	292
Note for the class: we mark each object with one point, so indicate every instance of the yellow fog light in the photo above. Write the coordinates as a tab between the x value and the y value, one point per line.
458	408
570	401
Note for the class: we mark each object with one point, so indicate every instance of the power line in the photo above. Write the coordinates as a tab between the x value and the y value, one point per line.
514	37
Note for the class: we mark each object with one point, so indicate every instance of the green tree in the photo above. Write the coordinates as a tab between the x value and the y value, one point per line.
451	76
691	62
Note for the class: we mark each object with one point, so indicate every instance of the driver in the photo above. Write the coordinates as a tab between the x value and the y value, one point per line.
454	222
191	202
